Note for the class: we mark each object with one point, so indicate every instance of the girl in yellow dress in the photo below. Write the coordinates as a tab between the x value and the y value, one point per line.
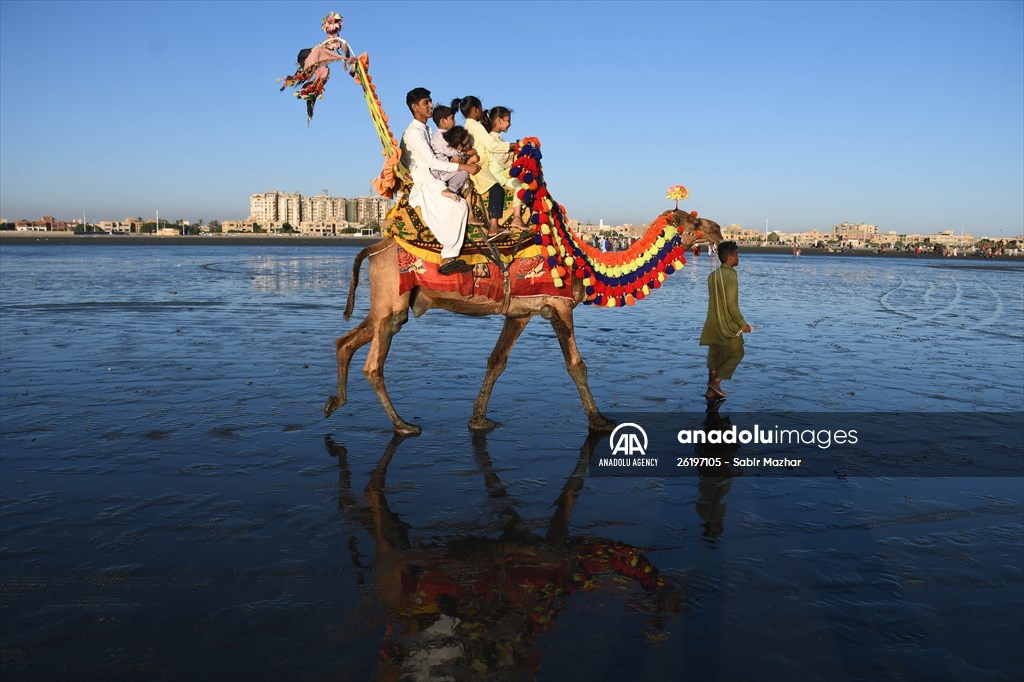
484	182
496	121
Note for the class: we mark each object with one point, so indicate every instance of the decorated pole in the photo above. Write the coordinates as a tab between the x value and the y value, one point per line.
678	193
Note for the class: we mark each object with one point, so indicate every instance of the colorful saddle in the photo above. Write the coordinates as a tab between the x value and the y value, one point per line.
406	225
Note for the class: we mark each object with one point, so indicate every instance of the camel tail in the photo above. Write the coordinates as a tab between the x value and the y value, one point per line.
370	250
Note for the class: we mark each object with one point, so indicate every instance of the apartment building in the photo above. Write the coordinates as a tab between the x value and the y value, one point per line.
317	214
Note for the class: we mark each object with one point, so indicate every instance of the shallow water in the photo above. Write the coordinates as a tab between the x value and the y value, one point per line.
174	506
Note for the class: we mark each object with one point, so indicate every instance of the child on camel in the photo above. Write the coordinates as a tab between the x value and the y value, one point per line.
444	119
496	121
484	182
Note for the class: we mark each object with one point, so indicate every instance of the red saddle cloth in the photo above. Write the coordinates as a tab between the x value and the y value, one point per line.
527	275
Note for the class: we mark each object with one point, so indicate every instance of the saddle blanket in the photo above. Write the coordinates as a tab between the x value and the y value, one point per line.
527	275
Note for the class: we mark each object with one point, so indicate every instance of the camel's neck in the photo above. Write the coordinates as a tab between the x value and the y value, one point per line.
608	279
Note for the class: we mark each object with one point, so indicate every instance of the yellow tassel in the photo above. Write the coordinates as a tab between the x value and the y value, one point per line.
646	290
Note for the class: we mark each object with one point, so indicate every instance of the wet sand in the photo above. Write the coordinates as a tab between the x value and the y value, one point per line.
175	506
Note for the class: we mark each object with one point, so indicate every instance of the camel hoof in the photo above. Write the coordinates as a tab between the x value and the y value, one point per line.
600	424
333	403
407	429
481	424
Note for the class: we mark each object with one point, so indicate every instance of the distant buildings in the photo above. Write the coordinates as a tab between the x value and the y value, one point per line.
47	224
126	226
324	215
319	214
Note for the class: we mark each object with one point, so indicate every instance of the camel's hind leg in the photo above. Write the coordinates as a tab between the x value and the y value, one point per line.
383	329
495	366
560	316
345	346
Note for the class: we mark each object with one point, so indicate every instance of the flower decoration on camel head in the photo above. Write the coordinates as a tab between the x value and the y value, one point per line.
677	193
332	23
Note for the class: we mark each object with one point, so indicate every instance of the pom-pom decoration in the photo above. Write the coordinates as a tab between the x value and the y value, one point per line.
610	279
677	193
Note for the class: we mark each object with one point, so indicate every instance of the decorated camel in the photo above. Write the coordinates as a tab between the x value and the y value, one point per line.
546	269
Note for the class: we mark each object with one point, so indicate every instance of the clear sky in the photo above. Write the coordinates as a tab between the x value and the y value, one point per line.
806	114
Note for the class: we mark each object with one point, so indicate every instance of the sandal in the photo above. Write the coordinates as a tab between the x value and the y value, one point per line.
498	235
717	391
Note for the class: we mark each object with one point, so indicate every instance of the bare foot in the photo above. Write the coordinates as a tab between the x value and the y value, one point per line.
450	194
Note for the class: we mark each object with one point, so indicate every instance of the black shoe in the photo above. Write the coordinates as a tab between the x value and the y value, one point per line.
454	266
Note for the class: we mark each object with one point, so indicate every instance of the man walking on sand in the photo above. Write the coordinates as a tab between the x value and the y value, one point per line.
724	324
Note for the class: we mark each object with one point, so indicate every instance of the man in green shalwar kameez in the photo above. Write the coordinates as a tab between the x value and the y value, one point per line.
724	324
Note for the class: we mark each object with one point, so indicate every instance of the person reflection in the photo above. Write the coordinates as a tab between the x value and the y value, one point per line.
715	481
476	605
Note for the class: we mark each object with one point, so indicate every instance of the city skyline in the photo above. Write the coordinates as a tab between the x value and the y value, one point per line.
904	115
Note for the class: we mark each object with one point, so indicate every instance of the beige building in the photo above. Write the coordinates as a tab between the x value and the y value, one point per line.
861	232
320	208
274	208
948	238
314	214
737	233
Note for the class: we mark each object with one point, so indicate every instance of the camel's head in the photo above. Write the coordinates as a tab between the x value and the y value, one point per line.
693	230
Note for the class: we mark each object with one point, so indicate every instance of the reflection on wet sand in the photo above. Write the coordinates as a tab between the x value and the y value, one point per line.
715	481
476	603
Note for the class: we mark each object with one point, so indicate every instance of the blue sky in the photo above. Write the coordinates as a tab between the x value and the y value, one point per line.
906	115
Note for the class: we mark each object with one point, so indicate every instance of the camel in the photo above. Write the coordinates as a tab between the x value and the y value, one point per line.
575	271
389	311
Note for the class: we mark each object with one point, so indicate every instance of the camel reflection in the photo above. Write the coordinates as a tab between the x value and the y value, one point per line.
477	605
715	481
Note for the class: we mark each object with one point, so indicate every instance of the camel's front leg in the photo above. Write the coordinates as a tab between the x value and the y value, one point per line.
383	329
345	346
560	317
495	366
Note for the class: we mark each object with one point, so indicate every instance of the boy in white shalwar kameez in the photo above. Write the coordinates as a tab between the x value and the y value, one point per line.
444	215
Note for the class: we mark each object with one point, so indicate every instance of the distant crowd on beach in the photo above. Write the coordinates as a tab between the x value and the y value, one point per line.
616	243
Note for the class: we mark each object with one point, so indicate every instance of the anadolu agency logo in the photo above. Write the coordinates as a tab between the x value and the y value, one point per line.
628	439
